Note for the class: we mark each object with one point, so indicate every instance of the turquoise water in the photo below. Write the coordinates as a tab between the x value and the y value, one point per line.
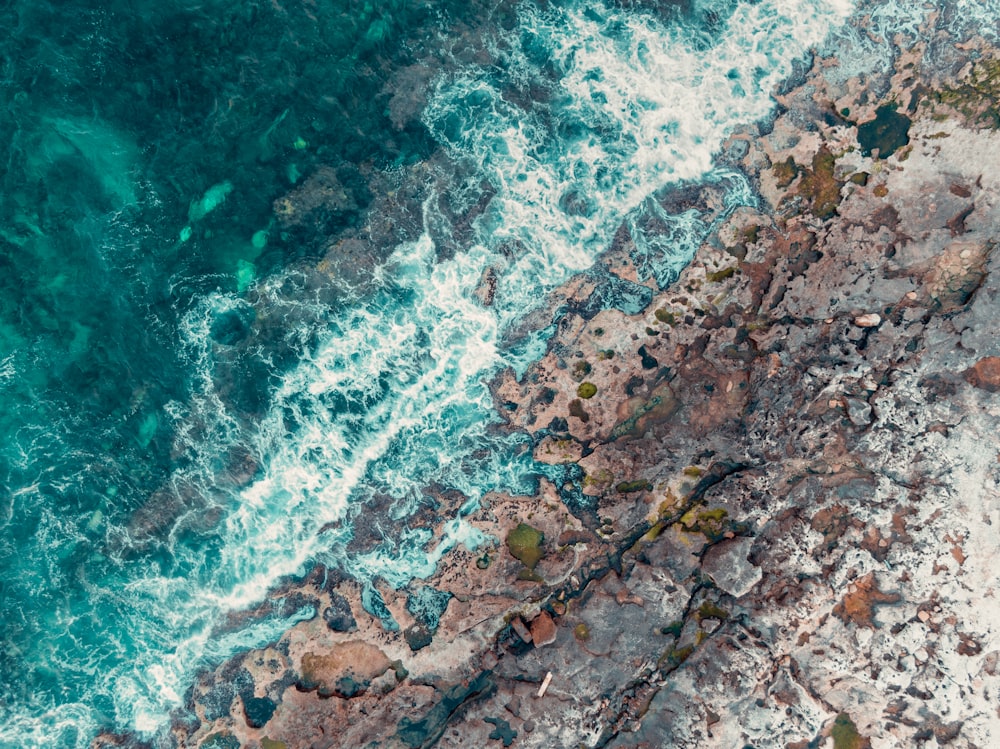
194	405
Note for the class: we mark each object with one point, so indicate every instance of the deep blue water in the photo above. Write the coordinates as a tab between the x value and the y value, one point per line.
239	244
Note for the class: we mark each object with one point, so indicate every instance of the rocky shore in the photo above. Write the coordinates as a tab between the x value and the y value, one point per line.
779	522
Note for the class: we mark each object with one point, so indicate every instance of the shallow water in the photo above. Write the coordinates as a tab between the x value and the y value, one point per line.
200	397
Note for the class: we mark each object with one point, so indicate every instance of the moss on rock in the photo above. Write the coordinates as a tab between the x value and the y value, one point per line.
820	187
627	487
785	172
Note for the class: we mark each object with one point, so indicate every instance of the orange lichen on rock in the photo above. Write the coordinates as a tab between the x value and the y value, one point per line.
985	374
857	607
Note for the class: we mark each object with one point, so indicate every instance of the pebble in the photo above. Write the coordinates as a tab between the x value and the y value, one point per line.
870	320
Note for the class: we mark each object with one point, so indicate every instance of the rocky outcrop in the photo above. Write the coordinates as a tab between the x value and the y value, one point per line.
776	519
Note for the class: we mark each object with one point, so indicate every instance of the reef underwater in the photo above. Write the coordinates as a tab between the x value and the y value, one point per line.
559	373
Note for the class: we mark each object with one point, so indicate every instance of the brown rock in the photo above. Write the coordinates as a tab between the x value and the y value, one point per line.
543	630
985	374
858	604
521	628
346	670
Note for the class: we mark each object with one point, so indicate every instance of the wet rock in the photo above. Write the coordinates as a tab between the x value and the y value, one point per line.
338	615
648	360
221	740
426	605
887	133
503	732
418	637
425	732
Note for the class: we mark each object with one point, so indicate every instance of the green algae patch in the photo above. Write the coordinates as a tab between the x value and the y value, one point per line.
785	172
978	95
266	743
713	516
720	275
524	544
627	487
221	740
586	390
888	132
678	655
820	188
845	734
581	632
673	629
665	317
709	610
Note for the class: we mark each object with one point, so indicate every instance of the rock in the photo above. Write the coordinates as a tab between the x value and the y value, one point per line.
338	615
543	630
859	412
503	732
418	637
985	374
518	625
346	670
487	287
727	564
869	320
558	451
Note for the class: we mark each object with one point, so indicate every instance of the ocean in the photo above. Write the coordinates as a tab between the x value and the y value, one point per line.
243	248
